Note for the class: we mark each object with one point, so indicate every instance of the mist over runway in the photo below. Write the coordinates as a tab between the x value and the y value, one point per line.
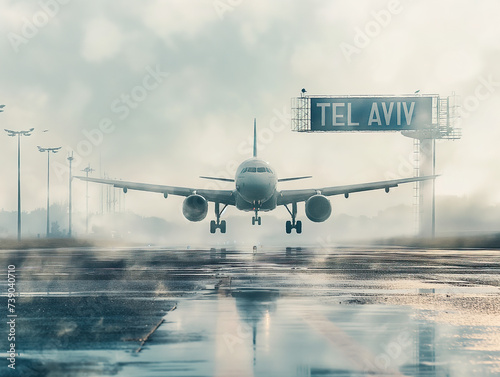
343	311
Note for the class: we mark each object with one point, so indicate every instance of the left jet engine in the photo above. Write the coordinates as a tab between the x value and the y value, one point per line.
195	207
318	208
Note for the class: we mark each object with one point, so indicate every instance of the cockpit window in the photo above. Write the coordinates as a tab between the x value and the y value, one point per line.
251	170
268	170
244	170
261	170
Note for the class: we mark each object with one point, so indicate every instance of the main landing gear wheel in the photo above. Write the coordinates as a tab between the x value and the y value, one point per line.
297	225
214	225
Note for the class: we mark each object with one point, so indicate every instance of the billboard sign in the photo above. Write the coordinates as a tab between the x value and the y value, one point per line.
370	113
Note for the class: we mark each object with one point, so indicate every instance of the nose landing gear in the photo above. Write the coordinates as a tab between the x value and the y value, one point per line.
297	225
256	218
219	224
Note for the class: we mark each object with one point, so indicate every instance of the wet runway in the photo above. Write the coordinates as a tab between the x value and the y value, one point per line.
277	312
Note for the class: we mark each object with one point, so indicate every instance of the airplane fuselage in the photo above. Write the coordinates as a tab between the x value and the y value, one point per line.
256	184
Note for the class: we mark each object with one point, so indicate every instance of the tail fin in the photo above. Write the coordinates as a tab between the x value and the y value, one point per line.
254	137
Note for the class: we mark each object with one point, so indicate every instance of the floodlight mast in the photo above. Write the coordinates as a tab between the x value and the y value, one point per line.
87	170
48	150
18	134
70	159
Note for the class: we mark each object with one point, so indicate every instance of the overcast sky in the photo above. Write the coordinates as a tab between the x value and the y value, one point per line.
165	91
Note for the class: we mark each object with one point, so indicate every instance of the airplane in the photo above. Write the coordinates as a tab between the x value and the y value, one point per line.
256	190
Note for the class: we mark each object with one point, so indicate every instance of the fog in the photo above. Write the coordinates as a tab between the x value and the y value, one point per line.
456	216
164	91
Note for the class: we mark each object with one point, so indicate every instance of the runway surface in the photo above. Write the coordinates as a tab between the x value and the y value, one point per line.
277	312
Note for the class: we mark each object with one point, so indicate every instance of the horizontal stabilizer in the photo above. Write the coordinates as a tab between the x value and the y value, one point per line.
293	178
219	179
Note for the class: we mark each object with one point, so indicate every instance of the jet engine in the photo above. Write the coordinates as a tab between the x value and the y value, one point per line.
318	208
195	207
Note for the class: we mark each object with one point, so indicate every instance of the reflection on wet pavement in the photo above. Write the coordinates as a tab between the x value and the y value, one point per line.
294	312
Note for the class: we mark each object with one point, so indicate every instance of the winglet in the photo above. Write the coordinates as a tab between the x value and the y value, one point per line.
254	137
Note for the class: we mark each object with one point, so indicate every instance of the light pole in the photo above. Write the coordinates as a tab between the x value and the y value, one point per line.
70	159
48	150
87	170
18	134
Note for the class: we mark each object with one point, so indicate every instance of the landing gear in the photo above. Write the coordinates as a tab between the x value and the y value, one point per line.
297	225
214	225
256	218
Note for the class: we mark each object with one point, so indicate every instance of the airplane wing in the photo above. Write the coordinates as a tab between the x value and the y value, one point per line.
219	196
293	196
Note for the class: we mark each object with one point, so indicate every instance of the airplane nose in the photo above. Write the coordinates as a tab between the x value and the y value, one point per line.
255	191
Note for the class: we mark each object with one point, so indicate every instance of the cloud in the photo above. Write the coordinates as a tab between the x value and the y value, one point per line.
173	18
223	73
102	40
458	65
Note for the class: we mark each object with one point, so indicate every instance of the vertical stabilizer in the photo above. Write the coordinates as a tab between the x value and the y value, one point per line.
254	137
